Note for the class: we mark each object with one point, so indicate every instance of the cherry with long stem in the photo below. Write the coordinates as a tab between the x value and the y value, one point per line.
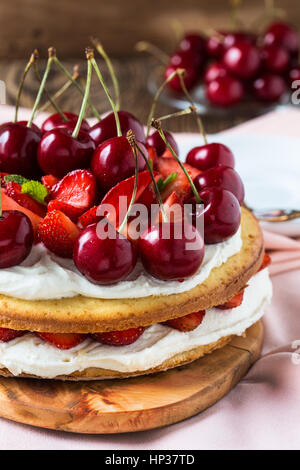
156	124
26	70
100	77
97	44
77	85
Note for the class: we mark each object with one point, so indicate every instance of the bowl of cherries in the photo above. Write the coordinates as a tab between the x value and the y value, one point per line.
231	71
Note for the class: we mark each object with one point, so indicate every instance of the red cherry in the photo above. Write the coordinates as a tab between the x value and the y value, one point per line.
18	149
214	71
231	39
16	238
242	59
221	177
104	261
269	87
59	153
56	120
186	59
155	140
210	155
169	257
275	59
190	78
222	215
225	91
33	126
284	35
113	161
192	42
106	128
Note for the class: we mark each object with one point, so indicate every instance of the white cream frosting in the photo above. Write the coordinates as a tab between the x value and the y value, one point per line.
31	355
45	276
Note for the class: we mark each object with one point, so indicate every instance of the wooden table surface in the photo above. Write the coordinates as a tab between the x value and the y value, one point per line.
132	74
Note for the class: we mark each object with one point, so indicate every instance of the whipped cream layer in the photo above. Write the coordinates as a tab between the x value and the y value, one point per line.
31	355
45	276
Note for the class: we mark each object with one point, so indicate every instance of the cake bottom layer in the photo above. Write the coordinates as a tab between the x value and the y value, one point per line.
159	348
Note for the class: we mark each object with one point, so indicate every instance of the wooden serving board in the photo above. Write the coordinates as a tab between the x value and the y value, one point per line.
136	404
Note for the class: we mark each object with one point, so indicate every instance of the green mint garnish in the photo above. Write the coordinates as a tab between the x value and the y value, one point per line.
36	190
15	179
162	184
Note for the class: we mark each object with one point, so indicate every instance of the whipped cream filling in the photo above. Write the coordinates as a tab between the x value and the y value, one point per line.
45	276
31	355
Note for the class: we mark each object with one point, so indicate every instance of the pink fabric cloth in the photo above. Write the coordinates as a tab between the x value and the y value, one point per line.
263	410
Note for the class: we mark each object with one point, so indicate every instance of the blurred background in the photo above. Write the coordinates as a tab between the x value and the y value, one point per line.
67	25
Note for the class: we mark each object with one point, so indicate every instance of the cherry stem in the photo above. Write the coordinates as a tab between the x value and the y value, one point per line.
145	46
55	106
136	176
156	98
26	70
235	5
132	140
156	124
181	73
111	69
100	77
189	110
51	52
89	56
178	29
77	85
60	92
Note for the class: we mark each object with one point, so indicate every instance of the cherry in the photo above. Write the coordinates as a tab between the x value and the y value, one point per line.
169	257
232	38
275	58
154	140
192	42
113	161
284	35
269	87
16	238
225	91
210	155
18	149
186	59
56	120
33	126
222	214
214	71
190	78
104	260
59	152
221	177
106	128
242	59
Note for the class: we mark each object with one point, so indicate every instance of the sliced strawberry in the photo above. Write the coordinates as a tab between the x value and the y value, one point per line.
78	190
124	189
265	262
7	334
234	302
49	181
180	185
174	208
58	233
9	204
188	322
152	155
119	338
62	340
68	210
13	190
167	154
88	218
2	180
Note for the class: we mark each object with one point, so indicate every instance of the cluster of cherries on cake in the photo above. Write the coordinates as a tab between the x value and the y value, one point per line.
236	64
53	183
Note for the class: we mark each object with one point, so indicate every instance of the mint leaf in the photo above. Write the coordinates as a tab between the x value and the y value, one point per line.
16	179
36	190
162	184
